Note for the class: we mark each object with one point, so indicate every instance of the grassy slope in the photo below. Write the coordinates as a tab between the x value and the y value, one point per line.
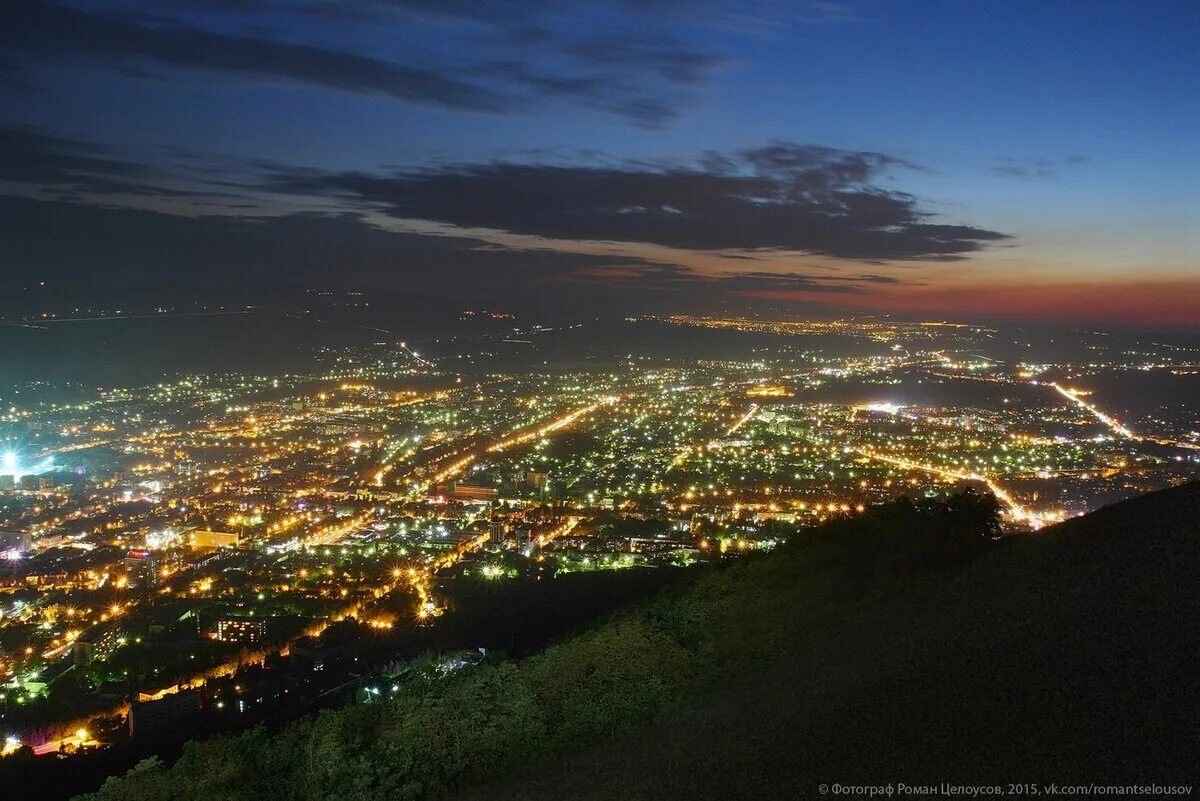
1067	656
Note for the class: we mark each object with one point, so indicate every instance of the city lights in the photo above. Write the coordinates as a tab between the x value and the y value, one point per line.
370	496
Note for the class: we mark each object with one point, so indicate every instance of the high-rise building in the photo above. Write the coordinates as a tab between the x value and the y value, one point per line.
15	542
142	568
29	482
524	536
96	644
149	717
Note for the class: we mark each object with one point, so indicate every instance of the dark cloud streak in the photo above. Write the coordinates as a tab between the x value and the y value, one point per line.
42	161
111	254
623	73
784	197
44	28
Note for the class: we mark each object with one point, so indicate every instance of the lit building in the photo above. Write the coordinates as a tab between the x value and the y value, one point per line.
142	568
241	629
472	492
147	717
96	645
14	543
214	539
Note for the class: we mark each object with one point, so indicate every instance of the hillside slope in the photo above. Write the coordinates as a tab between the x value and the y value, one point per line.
1068	656
902	645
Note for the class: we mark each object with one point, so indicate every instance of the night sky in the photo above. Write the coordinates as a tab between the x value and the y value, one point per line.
1033	160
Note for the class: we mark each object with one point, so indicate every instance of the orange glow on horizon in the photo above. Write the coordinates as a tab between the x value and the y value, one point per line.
1159	303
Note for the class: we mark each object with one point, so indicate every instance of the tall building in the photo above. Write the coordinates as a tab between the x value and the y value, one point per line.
524	536
142	568
15	542
148	717
8	482
96	644
30	483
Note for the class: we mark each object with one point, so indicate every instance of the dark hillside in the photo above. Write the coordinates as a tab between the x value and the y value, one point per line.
901	646
1068	656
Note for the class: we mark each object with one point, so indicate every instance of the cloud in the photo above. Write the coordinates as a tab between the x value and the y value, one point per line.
123	248
789	197
603	93
494	58
69	168
374	10
44	28
646	276
119	255
34	157
655	53
749	16
1035	166
30	155
748	204
516	15
759	281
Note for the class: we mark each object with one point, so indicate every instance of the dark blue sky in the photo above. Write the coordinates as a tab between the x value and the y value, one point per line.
911	156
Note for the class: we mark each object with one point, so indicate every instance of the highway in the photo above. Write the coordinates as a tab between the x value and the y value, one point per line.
1016	510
